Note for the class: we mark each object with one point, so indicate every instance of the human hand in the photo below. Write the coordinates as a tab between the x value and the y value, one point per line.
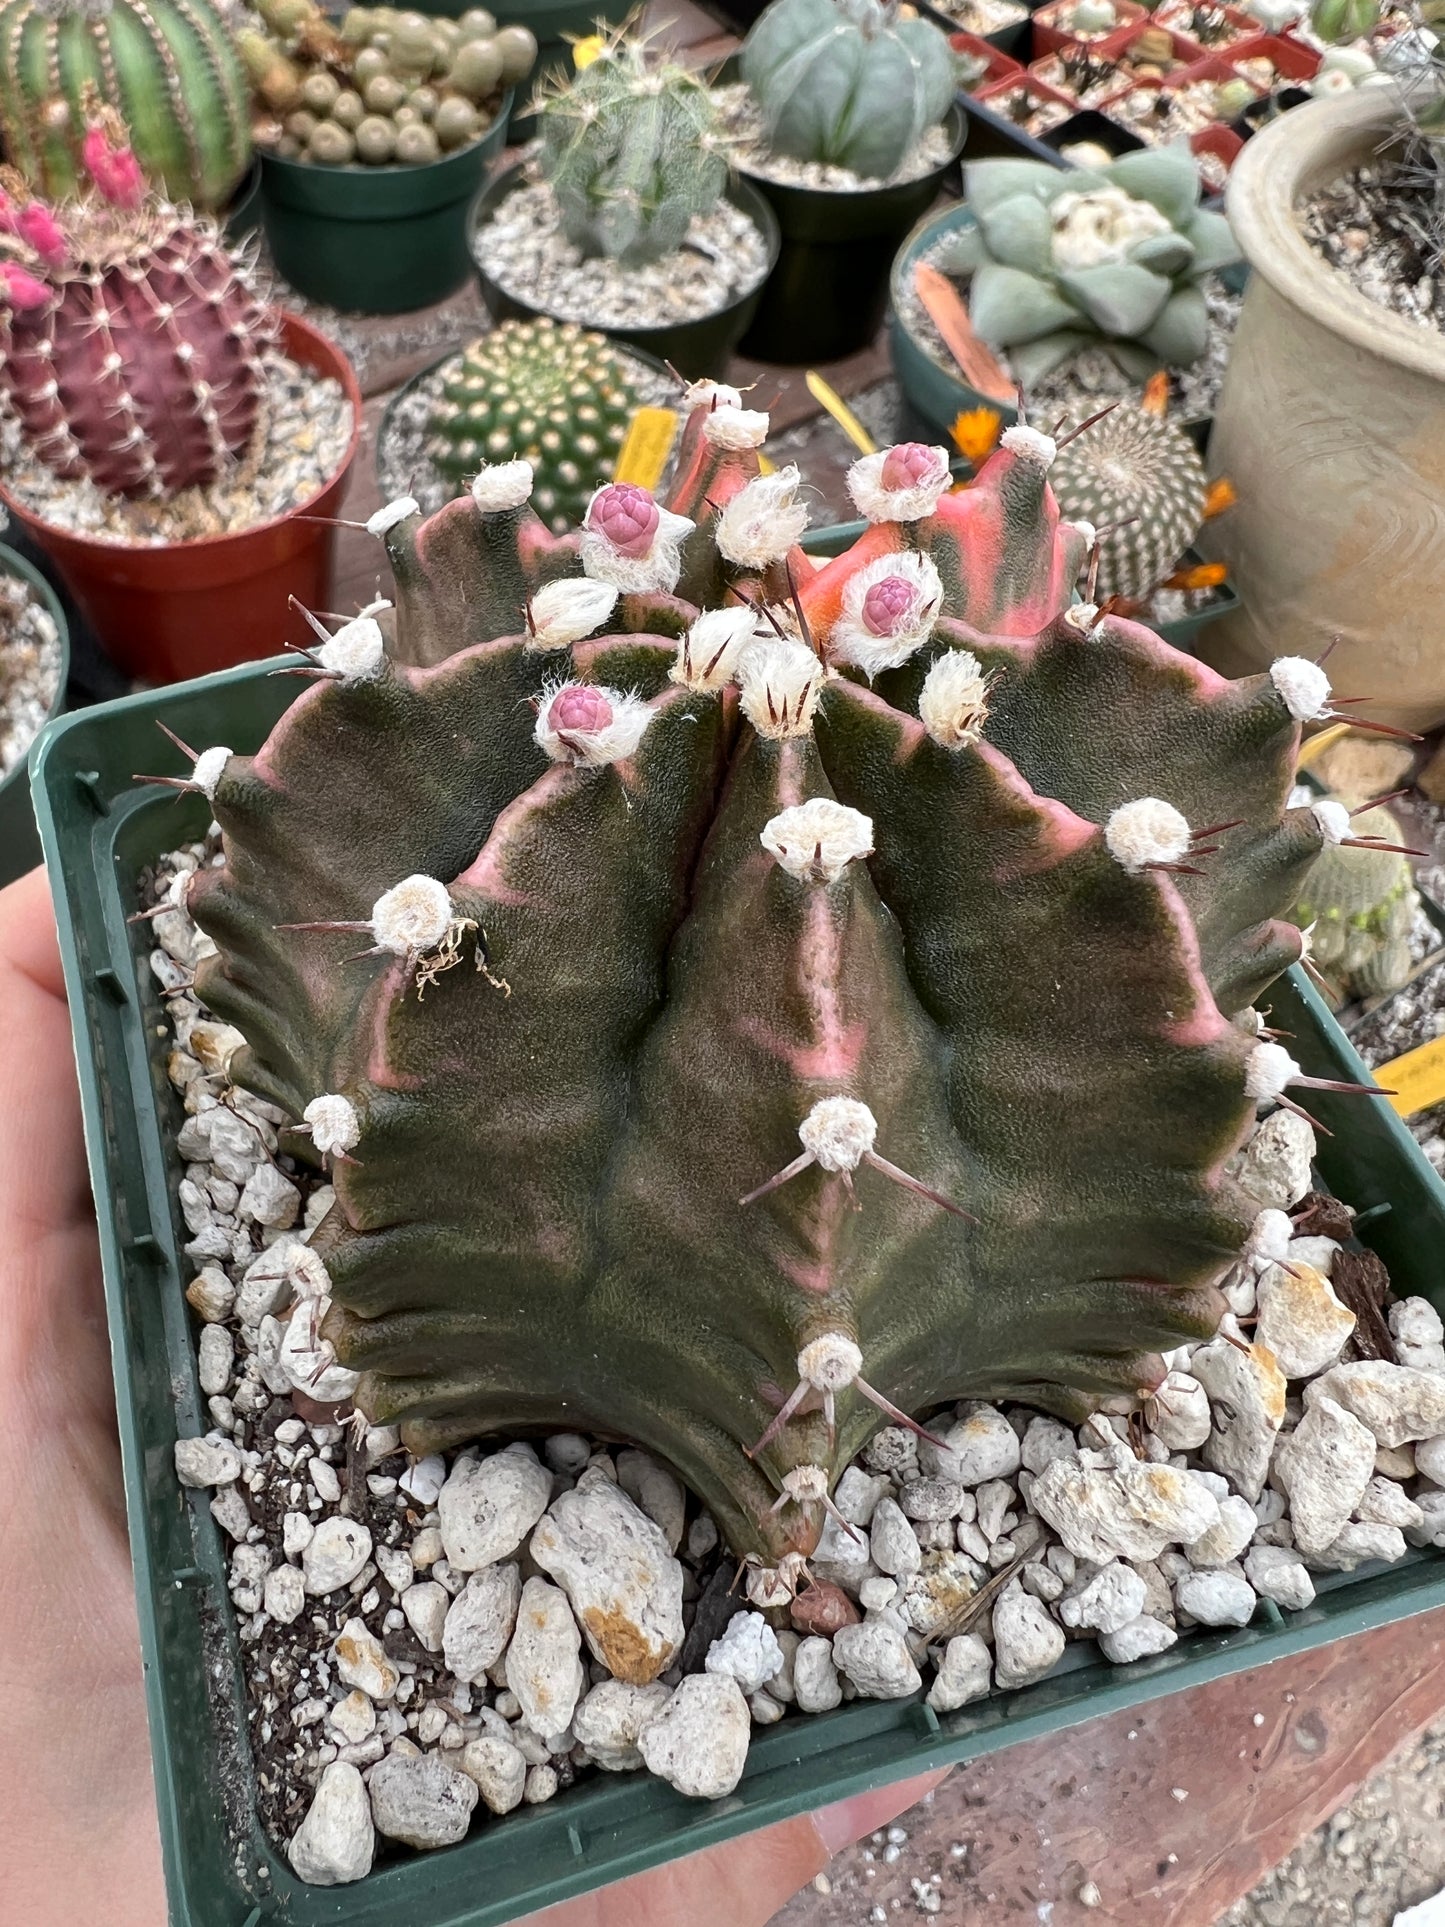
77	1810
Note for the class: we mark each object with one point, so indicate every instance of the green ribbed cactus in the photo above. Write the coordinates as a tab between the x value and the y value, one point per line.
848	82
167	67
1138	479
1360	904
1113	257
633	150
553	394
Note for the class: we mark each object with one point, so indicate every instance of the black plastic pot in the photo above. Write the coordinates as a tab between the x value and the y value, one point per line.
376	240
826	297
694	348
243	213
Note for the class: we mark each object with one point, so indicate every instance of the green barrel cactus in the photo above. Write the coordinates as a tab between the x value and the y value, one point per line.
1138	479
1358	903
1112	257
553	394
848	82
740	1003
633	150
167	67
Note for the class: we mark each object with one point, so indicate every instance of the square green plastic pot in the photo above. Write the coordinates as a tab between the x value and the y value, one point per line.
99	829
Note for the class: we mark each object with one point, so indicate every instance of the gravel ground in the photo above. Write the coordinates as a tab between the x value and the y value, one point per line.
1379	226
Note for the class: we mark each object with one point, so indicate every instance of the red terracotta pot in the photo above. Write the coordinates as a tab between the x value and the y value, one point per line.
166	614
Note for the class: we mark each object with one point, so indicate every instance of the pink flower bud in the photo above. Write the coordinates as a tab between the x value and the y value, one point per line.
626	516
888	605
581	708
20	290
114	170
36	224
907	464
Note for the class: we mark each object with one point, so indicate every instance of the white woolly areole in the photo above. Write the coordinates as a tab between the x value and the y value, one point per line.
779	684
953	703
840	1132
334	1123
851	640
209	768
1303	686
712	394
1149	831
502	485
731	427
1086	529
357	652
1269	1071
305	1272
763	520
879	504
413	916
1031	444
1333	819
592	748
564	612
830	1363
819	836
1269	1237
1082	616
386	518
806	1484
708	655
655	573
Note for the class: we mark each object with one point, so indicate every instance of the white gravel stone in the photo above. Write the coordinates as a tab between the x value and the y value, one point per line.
1247	1402
206	1462
395	1565
1431	1529
1124	1510
422	1802
699	1742
965	1674
284	1594
876	1658
352	1718
265	1286
1358	1544
425	1605
337	1551
270	1198
747	1651
210	1294
1216	1598
215	1353
1275	1168
361	1662
1045	1440
1042	1581
498	1769
488	1506
543	1668
1279	1573
480	1621
1398	1402
1300	1319
231	1513
1106	1602
324	1480
816	1687
1324	1465
893	1542
1429	1460
610	1720
1179	1413
1142	1638
843	1556
335	1842
932	1598
542	1784
931	1500
857	1494
617	1569
1387	1504
297	1532
981	1445
1419	1334
1027	1643
652	1487
1222	1544
423	1481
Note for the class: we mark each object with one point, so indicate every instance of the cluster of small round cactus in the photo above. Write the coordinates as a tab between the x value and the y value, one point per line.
1136	477
387	87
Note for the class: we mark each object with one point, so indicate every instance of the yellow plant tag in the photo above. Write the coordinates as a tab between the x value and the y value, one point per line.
650	436
1417	1078
1313	747
829	399
585	51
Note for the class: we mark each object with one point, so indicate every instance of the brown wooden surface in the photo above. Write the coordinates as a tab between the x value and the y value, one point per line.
1098	1802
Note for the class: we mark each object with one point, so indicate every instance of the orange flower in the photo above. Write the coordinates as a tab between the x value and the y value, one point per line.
1155	399
1219	496
975	433
1203	575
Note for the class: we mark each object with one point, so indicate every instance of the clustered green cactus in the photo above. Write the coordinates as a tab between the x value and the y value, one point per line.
549	393
1113	257
1138	479
167	67
848	82
1359	905
633	150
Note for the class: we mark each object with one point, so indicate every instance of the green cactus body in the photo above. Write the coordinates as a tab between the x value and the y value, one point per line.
847	82
633	151
1137	478
555	395
167	67
1110	257
1360	905
906	898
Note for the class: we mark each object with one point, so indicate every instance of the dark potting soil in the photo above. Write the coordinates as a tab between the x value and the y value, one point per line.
1384	227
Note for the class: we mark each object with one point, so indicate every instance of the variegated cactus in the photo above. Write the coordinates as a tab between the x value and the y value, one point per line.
740	1001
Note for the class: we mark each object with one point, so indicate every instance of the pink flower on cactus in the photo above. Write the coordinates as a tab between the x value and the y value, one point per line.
629	540
909	463
580	708
36	224
627	516
20	290
901	484
115	170
889	609
580	723
889	604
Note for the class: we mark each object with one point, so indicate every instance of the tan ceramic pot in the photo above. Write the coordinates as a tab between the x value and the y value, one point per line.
1332	429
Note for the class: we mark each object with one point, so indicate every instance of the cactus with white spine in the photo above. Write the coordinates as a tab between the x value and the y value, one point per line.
719	1049
1137	477
1358	904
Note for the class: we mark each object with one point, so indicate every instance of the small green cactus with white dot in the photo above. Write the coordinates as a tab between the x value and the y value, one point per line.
1359	904
1138	479
553	395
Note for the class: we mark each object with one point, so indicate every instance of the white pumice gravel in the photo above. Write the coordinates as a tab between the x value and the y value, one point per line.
431	1622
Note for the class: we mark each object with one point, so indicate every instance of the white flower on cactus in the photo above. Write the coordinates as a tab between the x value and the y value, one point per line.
586	725
818	839
711	394
335	1126
1303	687
889	609
502	485
1097	228
735	428
630	540
953	703
1146	832
838	1133
709	654
779	684
1269	1071
208	770
1331	818
412	917
763	520
385	519
561	613
1031	443
357	651
902	484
